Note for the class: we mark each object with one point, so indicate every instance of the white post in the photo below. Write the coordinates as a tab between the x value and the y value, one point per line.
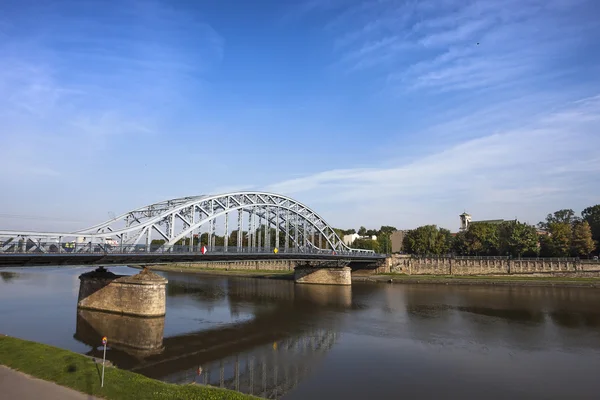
103	360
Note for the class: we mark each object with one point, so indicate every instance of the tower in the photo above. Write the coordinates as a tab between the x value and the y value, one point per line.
465	220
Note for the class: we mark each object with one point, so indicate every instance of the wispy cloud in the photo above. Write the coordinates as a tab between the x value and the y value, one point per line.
515	170
79	83
459	45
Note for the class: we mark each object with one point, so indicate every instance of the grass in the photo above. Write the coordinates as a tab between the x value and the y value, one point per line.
492	278
83	374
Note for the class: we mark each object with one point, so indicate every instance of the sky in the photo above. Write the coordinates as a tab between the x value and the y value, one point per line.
372	113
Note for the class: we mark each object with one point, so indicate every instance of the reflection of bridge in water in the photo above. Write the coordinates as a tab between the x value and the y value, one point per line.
269	371
267	355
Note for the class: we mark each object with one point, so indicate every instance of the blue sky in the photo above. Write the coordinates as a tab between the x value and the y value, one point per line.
371	112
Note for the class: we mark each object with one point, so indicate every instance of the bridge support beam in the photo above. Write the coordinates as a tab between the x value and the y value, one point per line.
143	294
324	275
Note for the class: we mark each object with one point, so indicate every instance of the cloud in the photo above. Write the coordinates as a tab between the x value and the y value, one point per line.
457	45
77	84
542	163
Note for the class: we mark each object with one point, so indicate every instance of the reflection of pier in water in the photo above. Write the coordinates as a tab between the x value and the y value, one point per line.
268	354
137	336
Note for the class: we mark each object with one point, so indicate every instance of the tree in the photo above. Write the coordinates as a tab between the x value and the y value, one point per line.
339	232
155	243
459	243
546	248
557	242
426	240
481	239
566	216
366	244
592	216
582	243
371	232
385	244
362	231
232	240
387	230
383	237
518	239
444	241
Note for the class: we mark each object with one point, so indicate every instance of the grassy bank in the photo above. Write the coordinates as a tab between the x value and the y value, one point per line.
489	280
81	373
250	273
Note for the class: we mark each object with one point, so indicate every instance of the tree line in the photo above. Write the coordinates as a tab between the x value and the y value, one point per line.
562	234
382	244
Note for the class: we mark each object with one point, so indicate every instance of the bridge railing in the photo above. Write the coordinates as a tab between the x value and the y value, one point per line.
71	248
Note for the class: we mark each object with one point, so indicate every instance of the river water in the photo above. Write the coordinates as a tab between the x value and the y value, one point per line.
279	340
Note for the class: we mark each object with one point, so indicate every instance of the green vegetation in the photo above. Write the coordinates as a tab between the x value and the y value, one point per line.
592	216
509	238
582	242
81	373
562	234
567	234
366	244
428	239
517	239
382	244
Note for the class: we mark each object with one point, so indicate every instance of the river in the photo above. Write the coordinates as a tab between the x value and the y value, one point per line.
280	340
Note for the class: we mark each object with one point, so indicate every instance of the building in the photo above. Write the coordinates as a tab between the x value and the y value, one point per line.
466	221
397	237
349	239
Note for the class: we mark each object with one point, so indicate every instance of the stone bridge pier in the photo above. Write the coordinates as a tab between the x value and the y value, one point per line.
143	294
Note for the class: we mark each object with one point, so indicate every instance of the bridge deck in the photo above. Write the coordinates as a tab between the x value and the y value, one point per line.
41	259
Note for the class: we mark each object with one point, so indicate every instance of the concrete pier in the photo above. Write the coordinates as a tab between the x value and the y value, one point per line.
323	275
143	294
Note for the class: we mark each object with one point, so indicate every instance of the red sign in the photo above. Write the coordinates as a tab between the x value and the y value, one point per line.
203	250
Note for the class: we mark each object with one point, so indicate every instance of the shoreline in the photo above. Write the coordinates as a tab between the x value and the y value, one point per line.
487	280
258	274
81	373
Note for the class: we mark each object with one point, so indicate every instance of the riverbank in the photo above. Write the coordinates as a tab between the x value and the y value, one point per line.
482	280
506	280
82	374
260	274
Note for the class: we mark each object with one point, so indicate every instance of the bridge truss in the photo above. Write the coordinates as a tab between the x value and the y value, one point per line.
263	222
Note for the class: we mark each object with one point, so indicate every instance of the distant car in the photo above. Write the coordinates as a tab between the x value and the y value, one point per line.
595	258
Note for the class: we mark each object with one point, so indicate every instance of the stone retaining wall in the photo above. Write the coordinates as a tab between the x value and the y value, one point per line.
265	265
489	266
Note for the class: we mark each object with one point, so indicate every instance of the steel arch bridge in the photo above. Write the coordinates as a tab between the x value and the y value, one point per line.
254	214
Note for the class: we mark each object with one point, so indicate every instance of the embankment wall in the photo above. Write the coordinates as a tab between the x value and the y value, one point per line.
490	266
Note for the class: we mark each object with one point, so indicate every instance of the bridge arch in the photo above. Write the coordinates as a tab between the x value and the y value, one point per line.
182	218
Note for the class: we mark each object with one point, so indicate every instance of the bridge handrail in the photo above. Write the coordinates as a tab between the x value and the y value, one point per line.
96	248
